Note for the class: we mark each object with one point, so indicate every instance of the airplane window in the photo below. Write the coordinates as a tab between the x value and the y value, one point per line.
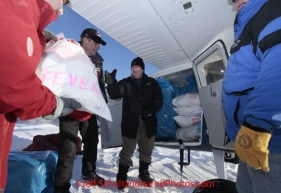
211	69
214	71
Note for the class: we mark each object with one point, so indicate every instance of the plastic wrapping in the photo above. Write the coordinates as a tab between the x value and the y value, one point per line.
175	90
67	71
186	121
191	133
190	87
31	172
166	126
193	110
186	100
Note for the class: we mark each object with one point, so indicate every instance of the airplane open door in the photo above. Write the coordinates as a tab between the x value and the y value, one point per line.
209	70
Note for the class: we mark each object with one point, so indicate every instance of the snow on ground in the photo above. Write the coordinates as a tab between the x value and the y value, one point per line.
164	168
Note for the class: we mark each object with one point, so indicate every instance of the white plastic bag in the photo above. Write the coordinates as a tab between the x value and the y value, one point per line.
186	100
185	121
67	71
192	133
193	110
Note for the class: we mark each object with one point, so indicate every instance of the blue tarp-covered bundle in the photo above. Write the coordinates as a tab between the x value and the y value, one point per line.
190	87
175	90
31	172
166	126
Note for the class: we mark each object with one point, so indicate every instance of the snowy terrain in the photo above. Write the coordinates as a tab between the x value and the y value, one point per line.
164	168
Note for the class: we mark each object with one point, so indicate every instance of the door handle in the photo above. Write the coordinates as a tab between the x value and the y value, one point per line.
213	92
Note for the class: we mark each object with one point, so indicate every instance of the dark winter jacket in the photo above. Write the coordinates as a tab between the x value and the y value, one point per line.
135	101
251	84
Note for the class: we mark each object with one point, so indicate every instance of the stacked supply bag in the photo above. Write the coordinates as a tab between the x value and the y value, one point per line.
180	115
189	112
166	126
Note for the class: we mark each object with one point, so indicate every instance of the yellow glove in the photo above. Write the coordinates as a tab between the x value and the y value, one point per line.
251	146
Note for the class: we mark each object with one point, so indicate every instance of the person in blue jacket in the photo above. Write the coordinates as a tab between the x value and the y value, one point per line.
252	95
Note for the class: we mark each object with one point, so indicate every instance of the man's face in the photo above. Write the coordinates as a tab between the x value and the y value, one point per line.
240	4
59	10
137	71
90	46
57	5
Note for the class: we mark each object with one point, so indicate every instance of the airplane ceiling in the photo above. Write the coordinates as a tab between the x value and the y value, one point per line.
164	33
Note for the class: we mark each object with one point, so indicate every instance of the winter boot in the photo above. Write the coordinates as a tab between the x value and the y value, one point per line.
144	175
94	178
121	178
62	189
89	172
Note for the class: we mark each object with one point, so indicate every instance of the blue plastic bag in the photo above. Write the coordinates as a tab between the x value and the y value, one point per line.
175	90
166	125
190	87
31	172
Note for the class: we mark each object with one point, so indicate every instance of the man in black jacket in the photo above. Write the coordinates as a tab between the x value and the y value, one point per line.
142	97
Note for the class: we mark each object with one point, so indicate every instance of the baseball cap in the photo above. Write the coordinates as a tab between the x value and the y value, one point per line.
94	35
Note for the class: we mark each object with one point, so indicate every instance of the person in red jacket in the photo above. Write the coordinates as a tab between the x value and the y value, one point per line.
21	91
84	122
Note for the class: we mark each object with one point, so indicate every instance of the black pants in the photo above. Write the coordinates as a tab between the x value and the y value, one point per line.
68	145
